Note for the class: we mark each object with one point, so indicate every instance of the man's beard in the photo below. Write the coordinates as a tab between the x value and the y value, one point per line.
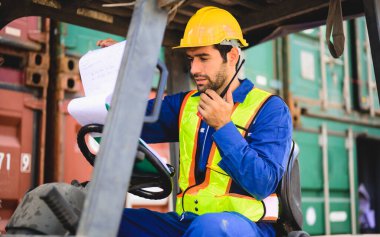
220	80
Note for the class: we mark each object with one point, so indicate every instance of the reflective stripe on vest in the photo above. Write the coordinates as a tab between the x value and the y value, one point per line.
212	195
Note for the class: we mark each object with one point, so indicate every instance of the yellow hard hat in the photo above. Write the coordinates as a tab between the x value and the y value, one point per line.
212	25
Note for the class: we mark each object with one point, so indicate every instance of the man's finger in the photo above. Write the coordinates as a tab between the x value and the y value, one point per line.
106	42
202	104
201	111
206	98
229	97
213	95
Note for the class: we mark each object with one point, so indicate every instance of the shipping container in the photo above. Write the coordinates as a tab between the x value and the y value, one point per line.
23	33
10	77
261	66
24	68
365	83
67	85
23	82
330	152
19	135
75	165
325	178
77	40
318	82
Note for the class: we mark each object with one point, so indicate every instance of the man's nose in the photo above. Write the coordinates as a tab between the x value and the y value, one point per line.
195	67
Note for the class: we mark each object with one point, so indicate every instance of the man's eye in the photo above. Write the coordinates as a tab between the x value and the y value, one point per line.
190	59
204	59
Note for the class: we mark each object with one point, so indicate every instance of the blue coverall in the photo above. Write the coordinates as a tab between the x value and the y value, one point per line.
256	164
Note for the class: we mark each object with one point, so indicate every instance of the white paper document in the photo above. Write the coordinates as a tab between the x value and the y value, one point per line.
98	69
87	110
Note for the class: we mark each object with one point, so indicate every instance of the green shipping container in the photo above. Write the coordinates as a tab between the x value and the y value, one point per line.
325	177
77	41
335	158
260	66
318	82
367	98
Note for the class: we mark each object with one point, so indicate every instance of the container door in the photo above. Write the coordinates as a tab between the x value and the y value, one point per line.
325	178
17	155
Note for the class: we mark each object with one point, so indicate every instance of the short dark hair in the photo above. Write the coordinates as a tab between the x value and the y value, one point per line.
223	50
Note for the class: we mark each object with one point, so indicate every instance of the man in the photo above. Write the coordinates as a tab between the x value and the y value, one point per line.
233	148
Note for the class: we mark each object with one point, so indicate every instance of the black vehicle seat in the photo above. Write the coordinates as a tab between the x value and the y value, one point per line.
289	192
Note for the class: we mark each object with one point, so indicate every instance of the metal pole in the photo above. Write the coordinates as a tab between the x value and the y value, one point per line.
351	172
346	82
323	91
369	76
358	46
113	168
323	141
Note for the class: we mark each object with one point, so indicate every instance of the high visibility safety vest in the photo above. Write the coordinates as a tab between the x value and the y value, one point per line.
212	195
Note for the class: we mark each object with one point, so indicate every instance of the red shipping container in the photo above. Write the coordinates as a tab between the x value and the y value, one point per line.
12	76
17	159
22	30
75	165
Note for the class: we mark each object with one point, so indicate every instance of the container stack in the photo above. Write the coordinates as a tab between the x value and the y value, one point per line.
334	105
335	111
24	52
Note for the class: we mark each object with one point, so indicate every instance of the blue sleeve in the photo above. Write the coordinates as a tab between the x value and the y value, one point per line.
166	128
257	163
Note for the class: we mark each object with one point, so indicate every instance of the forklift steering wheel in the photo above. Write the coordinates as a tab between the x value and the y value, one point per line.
140	180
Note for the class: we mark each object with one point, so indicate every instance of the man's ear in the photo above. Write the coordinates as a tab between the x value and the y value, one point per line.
233	56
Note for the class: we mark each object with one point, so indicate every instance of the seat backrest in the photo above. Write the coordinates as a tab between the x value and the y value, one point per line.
289	192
